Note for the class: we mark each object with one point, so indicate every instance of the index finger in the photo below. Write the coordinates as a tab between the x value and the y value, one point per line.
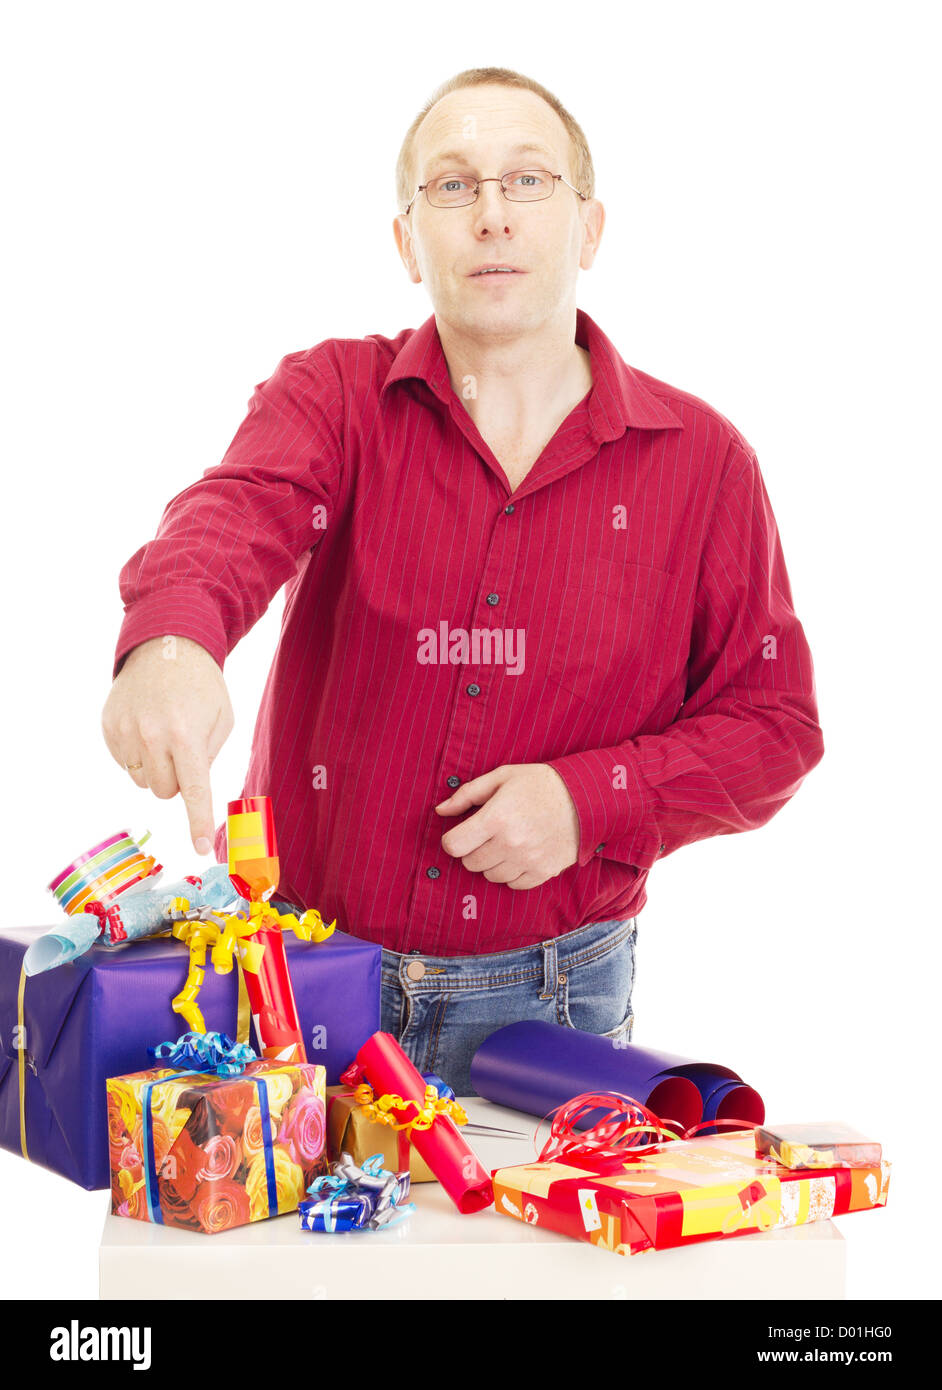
191	764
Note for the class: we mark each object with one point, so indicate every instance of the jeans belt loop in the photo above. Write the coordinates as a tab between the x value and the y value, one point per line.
550	969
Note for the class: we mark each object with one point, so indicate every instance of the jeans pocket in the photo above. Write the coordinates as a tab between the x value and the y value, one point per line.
597	993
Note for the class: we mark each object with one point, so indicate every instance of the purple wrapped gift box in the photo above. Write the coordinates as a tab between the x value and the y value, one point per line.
96	1016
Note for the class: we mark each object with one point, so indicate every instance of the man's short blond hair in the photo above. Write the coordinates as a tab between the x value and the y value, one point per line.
582	168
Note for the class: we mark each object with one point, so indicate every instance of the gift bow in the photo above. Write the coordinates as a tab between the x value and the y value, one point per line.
204	1052
433	1105
353	1197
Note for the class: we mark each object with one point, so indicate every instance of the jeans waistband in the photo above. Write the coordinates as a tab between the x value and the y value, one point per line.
543	960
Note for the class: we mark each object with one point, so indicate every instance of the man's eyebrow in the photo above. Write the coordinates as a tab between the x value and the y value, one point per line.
461	157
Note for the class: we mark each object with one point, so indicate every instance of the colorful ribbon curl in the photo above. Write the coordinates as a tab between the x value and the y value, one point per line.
378	1108
354	1198
625	1125
230	936
204	1052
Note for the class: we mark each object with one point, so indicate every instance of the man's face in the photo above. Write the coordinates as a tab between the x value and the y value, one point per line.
485	132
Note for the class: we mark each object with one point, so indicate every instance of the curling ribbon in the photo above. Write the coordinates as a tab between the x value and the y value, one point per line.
197	1052
625	1125
433	1105
231	935
209	1054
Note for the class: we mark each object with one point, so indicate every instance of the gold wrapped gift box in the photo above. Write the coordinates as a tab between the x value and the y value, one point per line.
350	1131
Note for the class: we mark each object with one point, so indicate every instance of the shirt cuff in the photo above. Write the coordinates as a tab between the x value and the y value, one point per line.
181	611
614	805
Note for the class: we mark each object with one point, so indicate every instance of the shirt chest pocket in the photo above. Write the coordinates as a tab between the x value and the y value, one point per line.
608	643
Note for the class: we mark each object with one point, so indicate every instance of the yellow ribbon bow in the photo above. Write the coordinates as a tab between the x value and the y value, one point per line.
231	938
378	1109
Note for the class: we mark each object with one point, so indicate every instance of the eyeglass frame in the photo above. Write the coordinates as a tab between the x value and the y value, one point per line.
557	178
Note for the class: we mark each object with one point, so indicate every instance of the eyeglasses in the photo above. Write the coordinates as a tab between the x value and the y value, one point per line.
522	186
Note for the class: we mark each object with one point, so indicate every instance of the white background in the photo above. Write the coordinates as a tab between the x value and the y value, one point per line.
198	189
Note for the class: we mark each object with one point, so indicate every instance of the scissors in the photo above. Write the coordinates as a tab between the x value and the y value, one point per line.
487	1131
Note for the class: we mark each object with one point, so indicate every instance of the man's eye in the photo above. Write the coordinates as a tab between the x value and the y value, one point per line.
452	184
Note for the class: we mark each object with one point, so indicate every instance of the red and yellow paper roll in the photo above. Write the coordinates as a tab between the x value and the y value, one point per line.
254	871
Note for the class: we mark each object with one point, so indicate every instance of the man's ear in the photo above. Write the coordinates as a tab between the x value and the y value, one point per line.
593	224
403	235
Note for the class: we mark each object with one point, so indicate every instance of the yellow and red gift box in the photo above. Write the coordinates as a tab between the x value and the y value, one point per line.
678	1192
211	1149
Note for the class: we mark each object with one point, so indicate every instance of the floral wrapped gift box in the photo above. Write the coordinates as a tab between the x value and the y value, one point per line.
208	1152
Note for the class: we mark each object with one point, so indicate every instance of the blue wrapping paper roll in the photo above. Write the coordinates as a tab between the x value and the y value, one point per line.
144	912
535	1067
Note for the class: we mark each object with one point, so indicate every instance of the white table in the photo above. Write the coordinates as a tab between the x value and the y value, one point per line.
438	1253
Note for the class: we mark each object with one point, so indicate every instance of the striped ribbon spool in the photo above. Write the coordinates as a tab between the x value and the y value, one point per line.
104	871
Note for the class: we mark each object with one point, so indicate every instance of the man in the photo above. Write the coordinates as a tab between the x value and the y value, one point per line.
538	628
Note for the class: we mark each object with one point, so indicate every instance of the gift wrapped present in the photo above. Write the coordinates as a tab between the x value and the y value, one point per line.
206	1150
64	1032
350	1131
680	1192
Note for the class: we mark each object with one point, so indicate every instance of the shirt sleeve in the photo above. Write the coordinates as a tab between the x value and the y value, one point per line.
227	543
749	730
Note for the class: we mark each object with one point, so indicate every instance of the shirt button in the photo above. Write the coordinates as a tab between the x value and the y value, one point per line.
433	872
663	848
508	509
474	689
415	969
453	781
492	599
599	848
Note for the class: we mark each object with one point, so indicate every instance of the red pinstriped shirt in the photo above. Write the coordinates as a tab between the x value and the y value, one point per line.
624	615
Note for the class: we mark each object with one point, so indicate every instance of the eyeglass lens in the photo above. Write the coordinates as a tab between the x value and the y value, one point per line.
522	186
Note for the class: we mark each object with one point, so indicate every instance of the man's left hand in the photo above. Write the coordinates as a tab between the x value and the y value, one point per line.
527	830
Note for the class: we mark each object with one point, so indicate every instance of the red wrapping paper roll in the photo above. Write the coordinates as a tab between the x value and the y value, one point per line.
388	1071
254	871
272	1001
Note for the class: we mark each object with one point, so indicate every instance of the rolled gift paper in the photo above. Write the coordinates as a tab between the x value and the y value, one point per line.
271	998
387	1069
535	1067
138	912
61	944
252	847
254	872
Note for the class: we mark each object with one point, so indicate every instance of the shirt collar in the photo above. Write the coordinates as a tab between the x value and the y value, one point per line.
618	399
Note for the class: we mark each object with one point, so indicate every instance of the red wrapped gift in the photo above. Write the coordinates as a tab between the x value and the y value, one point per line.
630	1199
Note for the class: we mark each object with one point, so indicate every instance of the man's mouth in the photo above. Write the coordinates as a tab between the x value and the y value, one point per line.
496	270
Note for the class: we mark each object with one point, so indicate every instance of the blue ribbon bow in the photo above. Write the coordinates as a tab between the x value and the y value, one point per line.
352	1198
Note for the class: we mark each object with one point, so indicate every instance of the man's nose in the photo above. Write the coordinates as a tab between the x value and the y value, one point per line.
492	209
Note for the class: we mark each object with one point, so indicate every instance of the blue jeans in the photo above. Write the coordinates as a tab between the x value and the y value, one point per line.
441	1008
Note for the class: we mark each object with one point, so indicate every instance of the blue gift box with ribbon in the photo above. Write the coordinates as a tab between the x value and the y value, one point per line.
63	1033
